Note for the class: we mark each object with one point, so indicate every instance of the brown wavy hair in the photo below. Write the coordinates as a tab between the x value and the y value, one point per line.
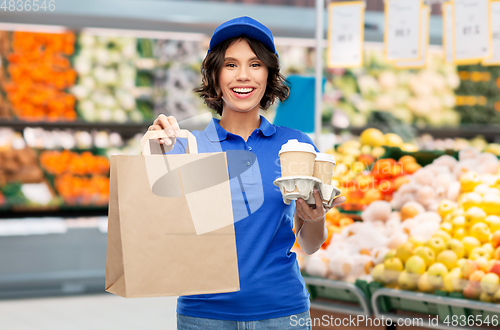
210	91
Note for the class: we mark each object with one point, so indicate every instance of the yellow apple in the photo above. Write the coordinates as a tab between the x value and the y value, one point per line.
488	247
469	180
407	281
456	246
495	239
481	231
490	283
460	262
474	215
491	203
447	258
469	267
458	222
470	200
445	207
436	243
443	234
470	243
425	285
494	222
479	252
404	251
416	241
390	254
485	297
427	254
460	233
483	263
378	273
392	268
415	265
437	272
447	227
496	297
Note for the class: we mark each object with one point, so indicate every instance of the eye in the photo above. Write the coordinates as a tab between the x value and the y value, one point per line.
230	65
255	65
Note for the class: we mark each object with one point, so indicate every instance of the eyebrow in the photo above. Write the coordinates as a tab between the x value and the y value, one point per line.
234	59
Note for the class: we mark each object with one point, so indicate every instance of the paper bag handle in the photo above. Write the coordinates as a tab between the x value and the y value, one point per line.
192	147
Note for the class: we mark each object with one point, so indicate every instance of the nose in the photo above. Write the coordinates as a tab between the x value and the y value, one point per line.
243	74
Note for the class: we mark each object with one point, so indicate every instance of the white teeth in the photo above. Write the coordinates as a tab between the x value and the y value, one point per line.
242	90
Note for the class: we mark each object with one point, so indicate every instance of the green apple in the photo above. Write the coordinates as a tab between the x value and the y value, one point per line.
469	243
456	246
437	244
415	265
404	251
437	272
427	254
407	281
481	231
447	258
424	284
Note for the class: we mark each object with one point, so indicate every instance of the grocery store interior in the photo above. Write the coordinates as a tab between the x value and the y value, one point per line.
406	101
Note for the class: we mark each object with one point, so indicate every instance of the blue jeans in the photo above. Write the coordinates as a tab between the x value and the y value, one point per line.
292	322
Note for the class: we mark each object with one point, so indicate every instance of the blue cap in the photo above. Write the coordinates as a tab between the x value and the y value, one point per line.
243	26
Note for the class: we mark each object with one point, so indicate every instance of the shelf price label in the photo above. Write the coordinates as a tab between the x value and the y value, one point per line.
345	34
425	13
471	31
447	9
403	22
495	34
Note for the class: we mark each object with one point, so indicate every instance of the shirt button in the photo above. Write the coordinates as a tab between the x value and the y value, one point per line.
248	163
249	148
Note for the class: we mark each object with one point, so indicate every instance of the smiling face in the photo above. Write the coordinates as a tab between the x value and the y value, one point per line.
242	78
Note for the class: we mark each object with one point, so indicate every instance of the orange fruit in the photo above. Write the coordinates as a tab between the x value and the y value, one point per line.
399	181
408	212
332	216
372	195
411	168
345	221
407	159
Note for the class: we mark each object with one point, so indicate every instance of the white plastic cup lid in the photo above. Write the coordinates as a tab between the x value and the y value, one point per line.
295	145
323	157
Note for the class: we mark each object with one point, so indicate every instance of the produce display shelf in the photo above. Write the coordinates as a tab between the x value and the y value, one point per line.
53	264
333	296
490	132
388	302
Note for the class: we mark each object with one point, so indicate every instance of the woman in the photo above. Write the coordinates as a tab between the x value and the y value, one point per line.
240	76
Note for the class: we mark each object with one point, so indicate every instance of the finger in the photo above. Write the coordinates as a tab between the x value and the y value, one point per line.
338	200
169	124
301	214
317	199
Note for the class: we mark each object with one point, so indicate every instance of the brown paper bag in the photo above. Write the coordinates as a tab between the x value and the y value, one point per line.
170	227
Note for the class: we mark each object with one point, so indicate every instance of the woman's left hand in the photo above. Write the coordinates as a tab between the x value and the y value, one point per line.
316	213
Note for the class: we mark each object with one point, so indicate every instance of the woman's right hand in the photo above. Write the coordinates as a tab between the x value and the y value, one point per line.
169	125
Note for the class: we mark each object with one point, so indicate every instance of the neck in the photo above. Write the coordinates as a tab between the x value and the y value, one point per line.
240	123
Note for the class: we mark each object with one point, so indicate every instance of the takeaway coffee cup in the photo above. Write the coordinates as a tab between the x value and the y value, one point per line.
297	159
323	167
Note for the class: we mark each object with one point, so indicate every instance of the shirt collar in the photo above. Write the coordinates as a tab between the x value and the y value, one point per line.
216	133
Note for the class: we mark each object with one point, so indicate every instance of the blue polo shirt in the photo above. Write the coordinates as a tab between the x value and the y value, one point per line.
270	281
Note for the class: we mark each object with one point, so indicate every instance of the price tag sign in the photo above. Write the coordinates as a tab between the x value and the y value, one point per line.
495	33
471	31
345	34
447	9
402	30
425	12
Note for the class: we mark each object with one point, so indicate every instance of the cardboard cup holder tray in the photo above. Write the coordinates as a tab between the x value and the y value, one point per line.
304	186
